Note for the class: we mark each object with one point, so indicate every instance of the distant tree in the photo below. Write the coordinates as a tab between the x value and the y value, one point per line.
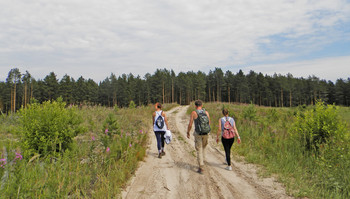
50	87
81	90
2	97
242	88
103	92
27	80
340	91
13	78
92	91
166	87
66	89
331	95
229	85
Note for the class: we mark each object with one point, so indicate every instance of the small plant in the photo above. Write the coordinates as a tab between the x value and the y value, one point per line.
110	128
250	112
317	126
132	104
48	128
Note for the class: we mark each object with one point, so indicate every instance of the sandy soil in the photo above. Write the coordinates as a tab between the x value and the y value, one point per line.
175	175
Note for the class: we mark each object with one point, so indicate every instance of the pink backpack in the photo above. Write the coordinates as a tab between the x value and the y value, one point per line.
229	132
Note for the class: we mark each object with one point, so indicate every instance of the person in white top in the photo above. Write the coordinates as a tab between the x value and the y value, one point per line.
160	125
227	143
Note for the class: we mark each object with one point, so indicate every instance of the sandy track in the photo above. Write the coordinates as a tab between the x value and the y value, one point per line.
175	176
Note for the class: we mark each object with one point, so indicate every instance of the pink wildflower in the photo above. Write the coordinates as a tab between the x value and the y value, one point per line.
130	145
18	156
107	149
141	131
93	138
3	162
106	131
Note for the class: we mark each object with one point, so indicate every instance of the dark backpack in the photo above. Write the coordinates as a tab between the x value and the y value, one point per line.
160	121
229	131
202	124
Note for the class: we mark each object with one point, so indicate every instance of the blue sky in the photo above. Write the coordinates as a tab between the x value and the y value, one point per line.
96	38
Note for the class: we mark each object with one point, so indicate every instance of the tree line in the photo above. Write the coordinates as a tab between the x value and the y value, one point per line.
166	87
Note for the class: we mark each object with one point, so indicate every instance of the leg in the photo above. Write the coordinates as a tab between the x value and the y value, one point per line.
159	146
162	133
204	144
199	147
227	146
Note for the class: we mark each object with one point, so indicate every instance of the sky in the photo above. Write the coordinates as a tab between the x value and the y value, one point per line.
93	38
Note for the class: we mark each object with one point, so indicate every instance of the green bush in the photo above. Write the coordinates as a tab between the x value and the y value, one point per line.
110	129
132	104
48	128
250	112
317	126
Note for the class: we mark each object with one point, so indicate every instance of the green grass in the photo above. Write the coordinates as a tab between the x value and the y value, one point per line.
87	170
344	113
267	140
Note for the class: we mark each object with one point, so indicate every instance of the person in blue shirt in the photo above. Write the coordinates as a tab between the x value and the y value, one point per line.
227	143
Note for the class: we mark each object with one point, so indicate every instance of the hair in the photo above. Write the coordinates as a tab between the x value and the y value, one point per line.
198	103
225	111
159	105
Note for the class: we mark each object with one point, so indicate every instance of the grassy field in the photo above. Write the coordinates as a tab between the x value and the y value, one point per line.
96	166
269	139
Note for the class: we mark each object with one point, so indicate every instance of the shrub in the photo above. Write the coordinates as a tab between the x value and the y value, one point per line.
48	128
315	127
132	104
250	112
110	129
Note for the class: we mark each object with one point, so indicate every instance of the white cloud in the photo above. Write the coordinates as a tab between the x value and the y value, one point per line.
327	68
139	36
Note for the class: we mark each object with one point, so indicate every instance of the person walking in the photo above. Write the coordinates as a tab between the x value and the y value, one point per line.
228	130
160	125
201	119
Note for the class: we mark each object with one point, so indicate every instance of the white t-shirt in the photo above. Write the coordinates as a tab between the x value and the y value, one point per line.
155	127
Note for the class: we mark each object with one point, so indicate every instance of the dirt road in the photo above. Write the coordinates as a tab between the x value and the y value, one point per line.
175	176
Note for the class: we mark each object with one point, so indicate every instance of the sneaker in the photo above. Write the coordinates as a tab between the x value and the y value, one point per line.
200	170
163	153
229	168
160	155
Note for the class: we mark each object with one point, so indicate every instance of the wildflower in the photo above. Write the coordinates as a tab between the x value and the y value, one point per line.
141	131
93	138
3	162
107	149
130	145
106	131
18	156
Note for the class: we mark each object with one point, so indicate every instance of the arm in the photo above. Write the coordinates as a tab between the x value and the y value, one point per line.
219	132
190	124
238	137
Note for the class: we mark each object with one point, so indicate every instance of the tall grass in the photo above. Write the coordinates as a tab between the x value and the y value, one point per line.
267	139
88	169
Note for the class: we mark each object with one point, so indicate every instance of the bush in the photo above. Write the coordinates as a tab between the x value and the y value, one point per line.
319	125
48	128
132	104
250	112
110	129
